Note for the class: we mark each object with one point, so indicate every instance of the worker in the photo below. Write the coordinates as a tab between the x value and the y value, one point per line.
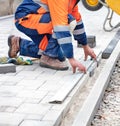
50	25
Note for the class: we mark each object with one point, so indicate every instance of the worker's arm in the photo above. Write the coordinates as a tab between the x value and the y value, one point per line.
59	16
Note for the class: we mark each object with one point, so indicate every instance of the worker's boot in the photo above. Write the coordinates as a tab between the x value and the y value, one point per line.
13	43
48	62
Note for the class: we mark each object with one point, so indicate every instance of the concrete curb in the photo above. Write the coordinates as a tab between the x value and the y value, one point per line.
90	106
109	49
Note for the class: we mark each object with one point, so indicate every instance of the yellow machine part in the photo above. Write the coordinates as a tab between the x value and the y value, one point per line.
92	2
114	5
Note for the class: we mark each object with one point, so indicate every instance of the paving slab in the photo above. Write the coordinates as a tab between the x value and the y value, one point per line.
7	68
91	40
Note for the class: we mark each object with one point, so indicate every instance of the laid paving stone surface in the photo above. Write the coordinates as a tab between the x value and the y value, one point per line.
31	86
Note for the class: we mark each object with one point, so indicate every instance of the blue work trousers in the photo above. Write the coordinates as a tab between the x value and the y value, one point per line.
31	49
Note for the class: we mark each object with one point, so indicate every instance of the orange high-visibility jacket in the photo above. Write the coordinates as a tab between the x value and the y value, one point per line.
59	10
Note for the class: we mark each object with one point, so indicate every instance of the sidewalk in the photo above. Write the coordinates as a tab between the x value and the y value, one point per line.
25	95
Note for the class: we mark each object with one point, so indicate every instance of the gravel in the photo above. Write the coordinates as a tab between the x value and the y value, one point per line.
108	113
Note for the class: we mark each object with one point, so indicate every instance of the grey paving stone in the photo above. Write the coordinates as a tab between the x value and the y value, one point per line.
38	109
10	119
36	123
31	84
11	102
53	116
32	94
33	117
91	41
7	68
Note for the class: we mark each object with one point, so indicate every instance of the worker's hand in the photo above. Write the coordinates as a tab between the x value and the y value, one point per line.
76	64
88	52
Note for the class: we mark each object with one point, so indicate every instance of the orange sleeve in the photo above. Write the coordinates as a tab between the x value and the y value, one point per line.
76	14
58	11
